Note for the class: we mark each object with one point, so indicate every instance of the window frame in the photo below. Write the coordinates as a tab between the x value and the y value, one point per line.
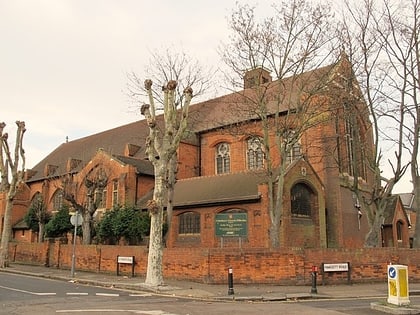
305	199
254	154
222	157
189	223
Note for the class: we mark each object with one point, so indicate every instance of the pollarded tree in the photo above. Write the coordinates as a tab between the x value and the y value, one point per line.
165	133
162	68
11	177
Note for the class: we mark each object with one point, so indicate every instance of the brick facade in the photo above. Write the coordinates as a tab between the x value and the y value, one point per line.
323	168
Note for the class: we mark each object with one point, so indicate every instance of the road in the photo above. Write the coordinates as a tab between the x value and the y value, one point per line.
21	294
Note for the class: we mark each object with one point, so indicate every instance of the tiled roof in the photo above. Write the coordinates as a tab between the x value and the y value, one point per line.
208	190
112	141
237	107
407	200
389	212
204	116
143	166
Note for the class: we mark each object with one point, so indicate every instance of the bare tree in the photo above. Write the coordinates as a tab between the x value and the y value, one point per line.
165	134
11	177
290	43
378	47
402	46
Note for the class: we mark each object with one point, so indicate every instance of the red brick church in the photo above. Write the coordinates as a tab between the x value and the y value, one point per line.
220	171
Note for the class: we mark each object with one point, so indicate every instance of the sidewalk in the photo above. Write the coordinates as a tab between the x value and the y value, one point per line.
242	292
209	291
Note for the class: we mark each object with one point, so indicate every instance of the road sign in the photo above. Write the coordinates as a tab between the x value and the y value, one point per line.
79	219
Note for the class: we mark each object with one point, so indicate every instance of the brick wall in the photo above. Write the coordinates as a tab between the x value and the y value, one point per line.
284	266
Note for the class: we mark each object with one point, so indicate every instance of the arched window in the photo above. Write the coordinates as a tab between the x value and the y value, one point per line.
189	223
255	153
301	200
222	158
58	200
399	231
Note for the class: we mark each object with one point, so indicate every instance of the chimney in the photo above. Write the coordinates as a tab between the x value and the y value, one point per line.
256	77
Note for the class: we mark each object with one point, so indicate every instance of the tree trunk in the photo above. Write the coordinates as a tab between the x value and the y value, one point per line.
86	228
416	191
41	232
7	231
154	275
374	237
275	235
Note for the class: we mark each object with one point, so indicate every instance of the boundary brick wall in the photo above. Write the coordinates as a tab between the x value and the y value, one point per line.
290	266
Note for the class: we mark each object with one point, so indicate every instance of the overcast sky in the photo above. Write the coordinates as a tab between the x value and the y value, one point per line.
63	63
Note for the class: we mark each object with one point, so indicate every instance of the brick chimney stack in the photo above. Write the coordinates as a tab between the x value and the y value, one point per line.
256	77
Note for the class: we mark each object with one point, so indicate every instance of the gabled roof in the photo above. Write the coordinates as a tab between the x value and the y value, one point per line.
390	209
238	106
113	141
407	200
204	116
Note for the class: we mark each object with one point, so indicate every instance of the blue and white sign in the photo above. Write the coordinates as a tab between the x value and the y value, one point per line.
392	272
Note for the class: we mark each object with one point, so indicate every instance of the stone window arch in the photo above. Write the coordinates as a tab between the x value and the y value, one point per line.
302	200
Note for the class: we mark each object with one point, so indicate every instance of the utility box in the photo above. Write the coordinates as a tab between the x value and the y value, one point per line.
398	285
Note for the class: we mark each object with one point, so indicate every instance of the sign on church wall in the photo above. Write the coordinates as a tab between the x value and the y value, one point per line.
231	224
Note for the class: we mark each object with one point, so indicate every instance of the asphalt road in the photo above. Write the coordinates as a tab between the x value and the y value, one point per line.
39	296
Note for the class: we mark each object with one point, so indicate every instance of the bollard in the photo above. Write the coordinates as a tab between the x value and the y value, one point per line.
230	281
314	290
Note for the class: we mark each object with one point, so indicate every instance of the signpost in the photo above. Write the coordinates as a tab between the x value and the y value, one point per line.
76	220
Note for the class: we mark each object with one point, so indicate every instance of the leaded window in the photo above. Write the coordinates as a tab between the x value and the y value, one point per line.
189	223
222	158
301	200
255	153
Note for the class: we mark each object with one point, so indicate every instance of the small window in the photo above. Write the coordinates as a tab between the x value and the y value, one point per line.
222	158
115	193
295	153
399	231
293	146
301	196
255	153
189	223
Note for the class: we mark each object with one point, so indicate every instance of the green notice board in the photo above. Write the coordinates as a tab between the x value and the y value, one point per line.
231	224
